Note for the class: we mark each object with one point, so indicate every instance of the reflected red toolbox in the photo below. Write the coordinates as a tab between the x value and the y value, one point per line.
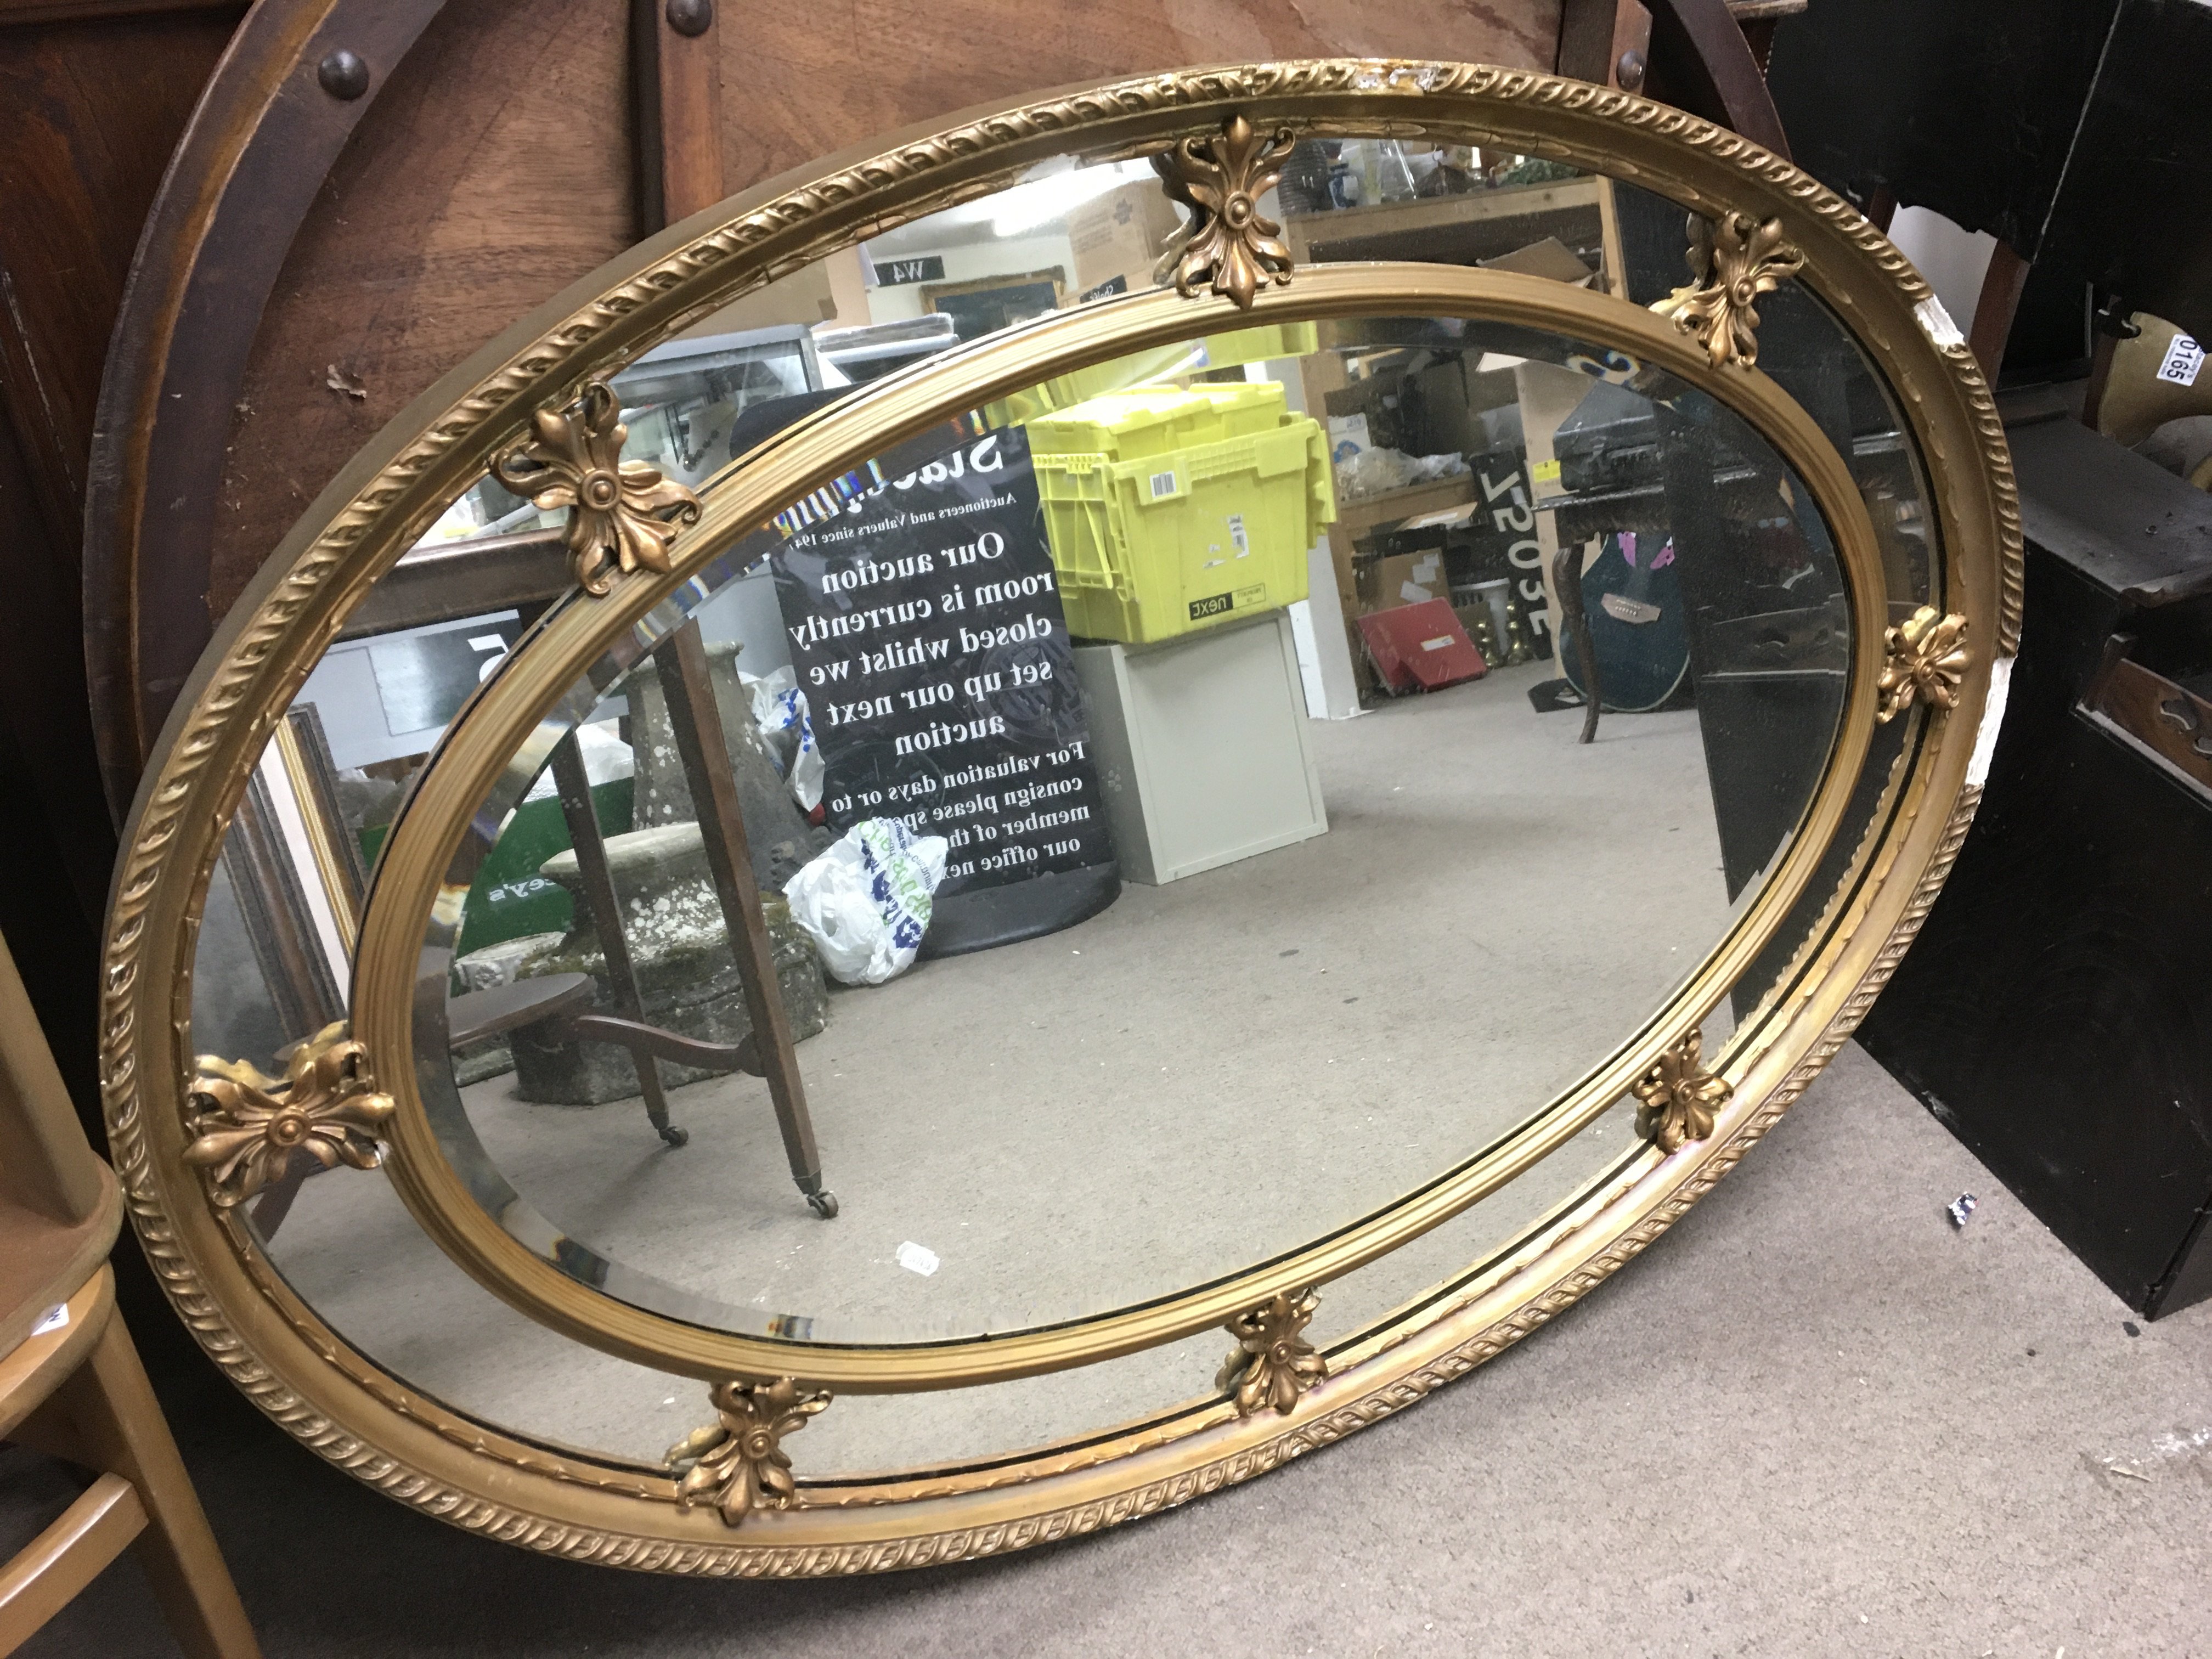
1421	646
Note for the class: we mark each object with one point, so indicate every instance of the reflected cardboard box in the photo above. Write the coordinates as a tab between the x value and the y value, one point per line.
1119	237
1549	258
1403	579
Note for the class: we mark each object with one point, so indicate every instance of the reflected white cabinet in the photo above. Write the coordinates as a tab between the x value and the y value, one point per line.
1202	747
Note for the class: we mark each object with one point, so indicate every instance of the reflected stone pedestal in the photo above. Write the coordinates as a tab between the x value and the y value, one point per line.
485	970
781	840
687	976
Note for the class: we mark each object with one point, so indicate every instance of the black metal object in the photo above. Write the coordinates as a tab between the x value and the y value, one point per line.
2057	1010
690	18
342	74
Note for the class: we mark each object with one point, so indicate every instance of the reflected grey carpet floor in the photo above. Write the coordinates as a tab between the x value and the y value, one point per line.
1068	1123
1813	1419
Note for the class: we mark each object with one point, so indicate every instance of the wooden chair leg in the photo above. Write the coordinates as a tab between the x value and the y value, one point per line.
64	1559
119	1425
273	1206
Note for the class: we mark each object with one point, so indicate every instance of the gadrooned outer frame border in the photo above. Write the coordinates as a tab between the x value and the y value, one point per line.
415	1450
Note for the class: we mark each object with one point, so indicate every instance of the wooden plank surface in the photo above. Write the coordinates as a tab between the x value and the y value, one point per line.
799	84
88	114
493	170
497	167
249	167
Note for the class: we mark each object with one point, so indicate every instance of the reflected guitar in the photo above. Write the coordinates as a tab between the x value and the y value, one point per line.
1635	623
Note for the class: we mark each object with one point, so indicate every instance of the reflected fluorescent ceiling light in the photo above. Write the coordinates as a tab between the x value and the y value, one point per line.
1039	201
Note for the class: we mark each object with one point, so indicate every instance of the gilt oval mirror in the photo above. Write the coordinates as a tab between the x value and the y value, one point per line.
1318	693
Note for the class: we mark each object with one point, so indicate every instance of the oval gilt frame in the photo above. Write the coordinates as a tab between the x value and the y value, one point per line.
476	1475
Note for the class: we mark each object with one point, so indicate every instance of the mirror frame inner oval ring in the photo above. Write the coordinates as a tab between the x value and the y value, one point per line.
398	982
602	1508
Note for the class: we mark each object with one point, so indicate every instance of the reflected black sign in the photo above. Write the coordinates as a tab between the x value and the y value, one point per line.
926	629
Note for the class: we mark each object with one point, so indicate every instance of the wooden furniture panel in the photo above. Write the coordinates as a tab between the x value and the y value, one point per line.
497	167
2056	1013
1701	61
90	112
796	86
90	109
267	130
493	170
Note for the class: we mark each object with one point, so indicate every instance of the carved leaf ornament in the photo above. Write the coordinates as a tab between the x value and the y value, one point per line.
1226	242
1746	260
245	1127
1927	660
1677	1099
623	515
737	1464
1272	1362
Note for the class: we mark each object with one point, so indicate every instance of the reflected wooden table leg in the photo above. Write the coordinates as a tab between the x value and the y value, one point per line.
706	756
1567	582
575	790
274	1204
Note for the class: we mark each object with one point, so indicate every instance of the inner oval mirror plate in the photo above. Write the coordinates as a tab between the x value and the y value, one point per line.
1202	976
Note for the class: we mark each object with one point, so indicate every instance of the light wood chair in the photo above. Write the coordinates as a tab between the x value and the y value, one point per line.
71	1385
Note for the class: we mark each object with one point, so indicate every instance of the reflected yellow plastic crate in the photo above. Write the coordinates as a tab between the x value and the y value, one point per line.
1169	511
1155	366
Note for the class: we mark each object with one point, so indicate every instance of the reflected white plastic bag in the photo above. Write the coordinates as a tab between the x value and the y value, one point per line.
1373	471
779	706
867	901
607	759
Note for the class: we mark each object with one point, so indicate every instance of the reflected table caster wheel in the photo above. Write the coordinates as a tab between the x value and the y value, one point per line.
675	1137
825	1205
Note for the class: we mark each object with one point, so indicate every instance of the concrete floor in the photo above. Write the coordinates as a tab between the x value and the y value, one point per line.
1813	1419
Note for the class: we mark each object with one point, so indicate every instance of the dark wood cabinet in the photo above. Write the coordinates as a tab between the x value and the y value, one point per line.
2057	1009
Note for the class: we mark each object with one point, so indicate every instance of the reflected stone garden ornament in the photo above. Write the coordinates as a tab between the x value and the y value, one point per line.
1272	1364
619	512
1677	1099
1746	259
1927	660
1221	182
245	1127
738	1463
